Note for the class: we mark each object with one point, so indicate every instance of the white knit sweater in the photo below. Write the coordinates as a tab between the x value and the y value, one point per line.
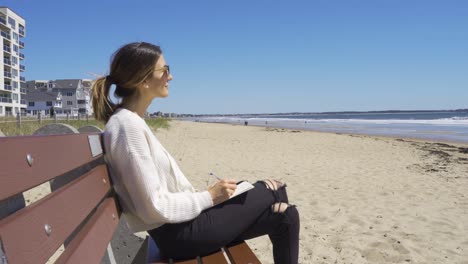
151	188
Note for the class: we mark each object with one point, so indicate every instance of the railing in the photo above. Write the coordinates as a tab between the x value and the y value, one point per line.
22	78
21	55
6	100
21	44
22	68
7	61
8	87
22	90
6	74
3	21
5	35
6	48
21	31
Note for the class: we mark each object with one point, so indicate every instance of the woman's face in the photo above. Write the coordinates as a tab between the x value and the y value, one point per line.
158	83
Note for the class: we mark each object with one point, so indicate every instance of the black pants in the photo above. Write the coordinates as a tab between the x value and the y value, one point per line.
243	217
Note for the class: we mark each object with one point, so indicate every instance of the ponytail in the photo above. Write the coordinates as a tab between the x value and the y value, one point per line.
103	107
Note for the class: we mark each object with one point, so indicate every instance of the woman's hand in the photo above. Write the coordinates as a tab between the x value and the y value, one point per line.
222	190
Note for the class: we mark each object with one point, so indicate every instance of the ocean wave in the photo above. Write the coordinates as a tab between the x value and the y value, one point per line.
455	121
455	118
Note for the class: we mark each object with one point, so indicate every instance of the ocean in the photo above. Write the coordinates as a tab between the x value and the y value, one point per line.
451	126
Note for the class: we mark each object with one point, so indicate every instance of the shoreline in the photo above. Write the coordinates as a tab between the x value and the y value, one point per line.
418	139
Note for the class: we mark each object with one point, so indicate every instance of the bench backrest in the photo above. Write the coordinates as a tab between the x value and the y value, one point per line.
80	211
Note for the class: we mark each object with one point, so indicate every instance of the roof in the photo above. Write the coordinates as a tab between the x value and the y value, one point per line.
12	11
67	83
40	96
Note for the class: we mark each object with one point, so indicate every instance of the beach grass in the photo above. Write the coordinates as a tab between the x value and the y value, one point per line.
9	127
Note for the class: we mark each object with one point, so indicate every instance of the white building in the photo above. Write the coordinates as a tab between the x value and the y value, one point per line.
12	29
43	102
74	94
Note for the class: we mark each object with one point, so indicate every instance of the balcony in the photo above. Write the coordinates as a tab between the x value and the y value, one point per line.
22	68
21	55
58	105
3	21
22	101
7	87
21	44
22	78
23	91
6	100
5	35
7	62
6	48
7	74
21	32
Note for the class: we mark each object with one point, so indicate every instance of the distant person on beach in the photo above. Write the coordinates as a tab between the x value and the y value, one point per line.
246	123
154	193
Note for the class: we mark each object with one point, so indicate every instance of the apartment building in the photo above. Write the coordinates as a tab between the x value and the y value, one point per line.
12	30
68	96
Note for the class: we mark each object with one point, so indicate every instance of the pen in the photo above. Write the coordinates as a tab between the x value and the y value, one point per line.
212	174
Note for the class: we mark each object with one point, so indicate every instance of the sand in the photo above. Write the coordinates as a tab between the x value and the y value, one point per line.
361	199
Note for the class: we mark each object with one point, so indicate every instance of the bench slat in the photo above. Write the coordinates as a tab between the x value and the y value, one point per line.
23	234
241	254
192	261
215	258
89	246
52	156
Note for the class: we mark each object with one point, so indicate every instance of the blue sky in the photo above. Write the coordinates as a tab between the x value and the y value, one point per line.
265	56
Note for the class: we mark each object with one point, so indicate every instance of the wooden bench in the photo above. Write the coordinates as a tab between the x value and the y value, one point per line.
80	213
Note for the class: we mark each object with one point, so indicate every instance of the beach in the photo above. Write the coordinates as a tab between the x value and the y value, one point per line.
362	199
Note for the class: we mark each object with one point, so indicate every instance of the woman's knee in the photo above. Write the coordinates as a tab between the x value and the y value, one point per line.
273	184
290	212
292	215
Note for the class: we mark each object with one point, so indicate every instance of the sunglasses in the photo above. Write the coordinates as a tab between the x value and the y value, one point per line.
165	69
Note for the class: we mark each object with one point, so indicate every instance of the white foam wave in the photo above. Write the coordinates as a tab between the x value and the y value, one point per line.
455	121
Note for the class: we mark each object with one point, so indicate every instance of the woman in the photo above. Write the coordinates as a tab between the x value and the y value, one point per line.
154	193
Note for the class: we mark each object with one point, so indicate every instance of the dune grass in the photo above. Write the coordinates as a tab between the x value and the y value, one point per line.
8	126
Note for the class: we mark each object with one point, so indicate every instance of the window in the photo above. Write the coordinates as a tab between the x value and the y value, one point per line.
69	103
16	49
15	84
81	101
16	37
14	72
12	22
31	104
15	97
82	110
69	94
49	103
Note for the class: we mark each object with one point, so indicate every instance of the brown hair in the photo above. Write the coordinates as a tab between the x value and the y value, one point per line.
130	66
